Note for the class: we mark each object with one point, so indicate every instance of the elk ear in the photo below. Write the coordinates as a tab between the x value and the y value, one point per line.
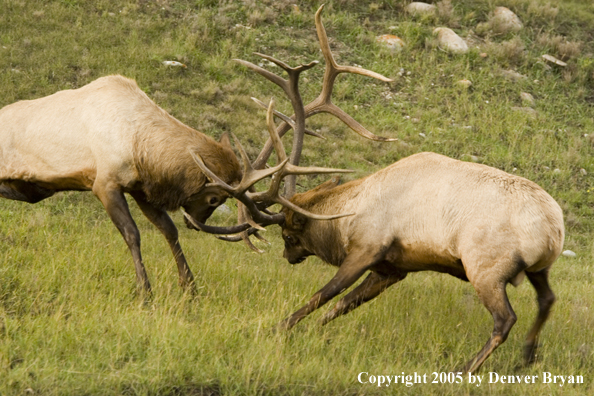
328	185
299	221
225	140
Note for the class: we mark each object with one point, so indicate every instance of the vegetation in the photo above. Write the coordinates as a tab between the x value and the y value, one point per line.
71	322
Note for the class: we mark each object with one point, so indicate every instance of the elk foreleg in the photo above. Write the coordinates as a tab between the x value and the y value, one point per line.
117	208
163	222
494	297
371	287
351	269
545	298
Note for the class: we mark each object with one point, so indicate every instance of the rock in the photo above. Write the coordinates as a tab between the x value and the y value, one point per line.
464	84
569	253
583	172
513	75
449	41
223	210
393	43
504	21
552	59
419	8
528	110
527	99
174	64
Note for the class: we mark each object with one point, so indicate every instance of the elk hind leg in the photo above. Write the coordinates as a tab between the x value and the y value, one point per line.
163	222
545	298
494	298
371	287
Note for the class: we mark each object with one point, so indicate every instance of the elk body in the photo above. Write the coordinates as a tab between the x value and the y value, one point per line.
110	138
431	212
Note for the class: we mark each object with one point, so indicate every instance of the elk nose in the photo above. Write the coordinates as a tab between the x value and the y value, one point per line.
189	225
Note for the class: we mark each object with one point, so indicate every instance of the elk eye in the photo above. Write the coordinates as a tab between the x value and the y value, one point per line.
289	239
213	201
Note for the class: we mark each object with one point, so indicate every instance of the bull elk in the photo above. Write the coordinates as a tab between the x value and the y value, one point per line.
424	212
110	138
428	212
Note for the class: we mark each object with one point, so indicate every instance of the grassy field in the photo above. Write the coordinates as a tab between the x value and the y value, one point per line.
71	322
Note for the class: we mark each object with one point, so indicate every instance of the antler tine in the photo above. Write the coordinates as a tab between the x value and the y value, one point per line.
237	238
288	204
208	173
286	67
288	120
352	123
332	67
281	82
276	140
244	157
323	103
215	230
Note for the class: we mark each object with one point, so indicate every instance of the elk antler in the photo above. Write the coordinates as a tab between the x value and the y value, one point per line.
252	210
322	104
252	213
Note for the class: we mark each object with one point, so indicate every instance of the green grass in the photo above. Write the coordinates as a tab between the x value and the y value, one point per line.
70	320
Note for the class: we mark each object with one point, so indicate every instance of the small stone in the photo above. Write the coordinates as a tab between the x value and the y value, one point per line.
527	99
557	171
393	43
504	21
552	59
583	171
464	84
422	135
174	64
513	75
449	41
569	253
419	8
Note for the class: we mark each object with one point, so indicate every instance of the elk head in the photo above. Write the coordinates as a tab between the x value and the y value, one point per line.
201	205
253	213
294	228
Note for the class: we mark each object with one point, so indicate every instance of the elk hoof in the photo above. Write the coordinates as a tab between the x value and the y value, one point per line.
530	353
281	327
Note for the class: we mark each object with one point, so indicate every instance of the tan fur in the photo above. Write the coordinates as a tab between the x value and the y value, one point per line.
431	212
438	208
109	137
108	128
